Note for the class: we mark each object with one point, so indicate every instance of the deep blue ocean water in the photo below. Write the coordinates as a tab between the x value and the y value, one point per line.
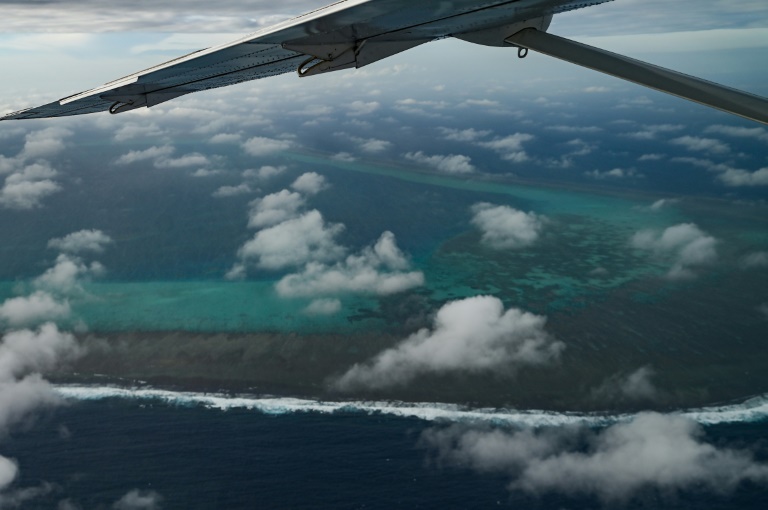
93	452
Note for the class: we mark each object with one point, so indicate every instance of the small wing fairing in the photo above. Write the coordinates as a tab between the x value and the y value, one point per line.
354	33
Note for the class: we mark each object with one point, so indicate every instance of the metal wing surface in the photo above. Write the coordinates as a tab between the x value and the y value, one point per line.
345	34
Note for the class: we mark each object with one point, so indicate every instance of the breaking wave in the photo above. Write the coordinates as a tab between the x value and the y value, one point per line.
751	410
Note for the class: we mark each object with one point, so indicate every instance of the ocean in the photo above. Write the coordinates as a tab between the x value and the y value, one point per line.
217	451
200	392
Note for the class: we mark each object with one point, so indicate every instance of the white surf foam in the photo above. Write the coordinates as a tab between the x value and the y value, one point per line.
754	409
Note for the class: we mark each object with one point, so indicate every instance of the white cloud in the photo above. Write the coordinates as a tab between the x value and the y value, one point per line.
294	242
450	164
232	191
185	161
381	269
310	183
63	277
696	144
505	228
754	260
471	335
84	240
154	152
263	173
327	306
226	138
261	146
463	135
134	130
758	133
651	157
685	245
510	148
636	386
735	177
26	194
274	208
344	157
45	143
358	108
34	172
371	145
662	203
616	173
139	500
29	310
662	452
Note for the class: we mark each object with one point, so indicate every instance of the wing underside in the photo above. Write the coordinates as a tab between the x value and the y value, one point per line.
343	35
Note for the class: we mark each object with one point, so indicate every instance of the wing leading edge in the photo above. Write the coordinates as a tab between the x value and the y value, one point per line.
346	34
355	33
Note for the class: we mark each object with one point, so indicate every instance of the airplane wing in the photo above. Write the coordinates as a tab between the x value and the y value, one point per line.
354	33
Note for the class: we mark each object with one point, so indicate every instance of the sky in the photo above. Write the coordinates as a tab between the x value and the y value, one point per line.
448	107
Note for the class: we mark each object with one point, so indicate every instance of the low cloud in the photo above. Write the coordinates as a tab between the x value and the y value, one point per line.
754	260
473	335
139	500
45	143
310	183
34	309
685	245
616	173
463	135
505	228
381	269
510	148
294	242
450	164
65	275
666	453
82	241
232	191
155	152
635	387
697	144
274	208
327	306
756	133
735	177
263	173
27	194
261	146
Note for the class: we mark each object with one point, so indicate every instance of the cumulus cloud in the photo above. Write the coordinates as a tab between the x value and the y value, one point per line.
344	157
505	228
263	173
666	453
735	177
697	144
754	260
232	191
139	500
359	108
307	238
685	245
26	194
262	146
758	133
274	208
510	148
64	276
470	335
310	183
328	306
449	164
463	135
185	161
33	309
45	142
634	387
154	152
380	269
371	145
616	173
82	241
